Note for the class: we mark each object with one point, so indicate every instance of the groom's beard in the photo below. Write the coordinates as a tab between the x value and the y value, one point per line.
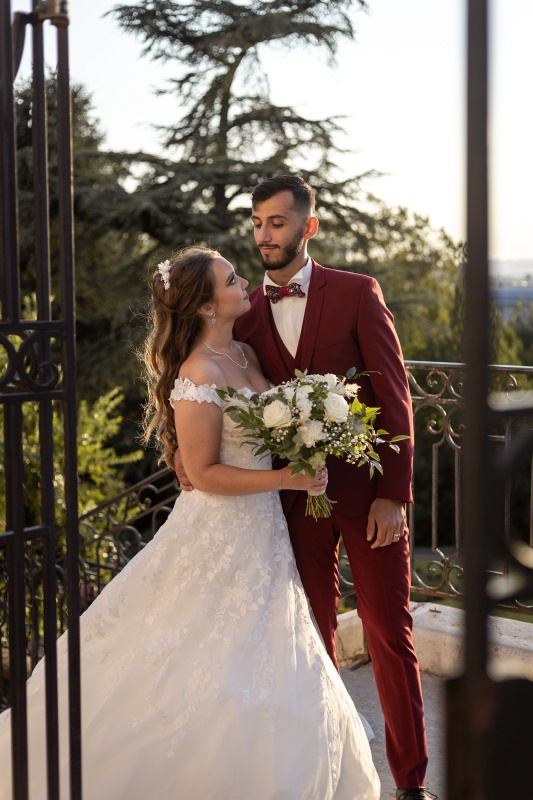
281	257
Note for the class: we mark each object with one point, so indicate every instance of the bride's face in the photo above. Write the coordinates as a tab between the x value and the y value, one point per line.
230	298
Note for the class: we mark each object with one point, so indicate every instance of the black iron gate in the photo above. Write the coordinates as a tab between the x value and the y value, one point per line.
37	370
490	731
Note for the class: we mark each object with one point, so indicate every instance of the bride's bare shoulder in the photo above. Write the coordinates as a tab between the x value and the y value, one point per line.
201	369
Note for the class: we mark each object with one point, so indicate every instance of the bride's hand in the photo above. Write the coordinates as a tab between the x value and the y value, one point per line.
181	475
302	481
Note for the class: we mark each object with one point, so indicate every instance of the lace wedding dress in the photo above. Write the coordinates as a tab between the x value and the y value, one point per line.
203	675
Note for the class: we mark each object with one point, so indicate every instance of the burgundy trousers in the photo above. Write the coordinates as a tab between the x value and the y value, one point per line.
382	580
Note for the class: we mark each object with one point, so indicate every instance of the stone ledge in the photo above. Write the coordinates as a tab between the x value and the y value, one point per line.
438	635
349	639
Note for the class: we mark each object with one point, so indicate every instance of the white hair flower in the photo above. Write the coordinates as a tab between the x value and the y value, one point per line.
164	268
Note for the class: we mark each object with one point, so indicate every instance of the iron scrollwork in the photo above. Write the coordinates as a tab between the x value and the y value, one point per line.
29	366
438	397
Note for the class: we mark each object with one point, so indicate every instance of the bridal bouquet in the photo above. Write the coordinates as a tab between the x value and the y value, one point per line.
308	418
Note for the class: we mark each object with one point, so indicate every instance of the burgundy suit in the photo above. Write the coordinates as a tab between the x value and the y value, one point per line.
347	324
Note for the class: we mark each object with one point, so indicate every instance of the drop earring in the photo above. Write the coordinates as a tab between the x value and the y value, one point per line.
213	319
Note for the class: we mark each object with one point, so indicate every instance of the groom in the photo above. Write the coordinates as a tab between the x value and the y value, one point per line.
308	317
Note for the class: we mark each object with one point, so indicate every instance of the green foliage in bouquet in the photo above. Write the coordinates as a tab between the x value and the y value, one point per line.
307	419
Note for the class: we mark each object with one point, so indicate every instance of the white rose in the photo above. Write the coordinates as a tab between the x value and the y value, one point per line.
336	409
277	415
330	379
312	432
288	391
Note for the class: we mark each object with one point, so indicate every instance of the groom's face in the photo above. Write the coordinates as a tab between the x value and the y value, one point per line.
281	232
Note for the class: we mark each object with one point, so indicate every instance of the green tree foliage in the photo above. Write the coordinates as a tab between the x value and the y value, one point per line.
99	465
231	134
522	324
109	255
505	340
418	269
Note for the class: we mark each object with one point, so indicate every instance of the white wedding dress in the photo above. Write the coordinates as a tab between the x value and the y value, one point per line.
203	675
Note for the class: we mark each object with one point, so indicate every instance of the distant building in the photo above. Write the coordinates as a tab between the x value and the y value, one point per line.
511	284
508	295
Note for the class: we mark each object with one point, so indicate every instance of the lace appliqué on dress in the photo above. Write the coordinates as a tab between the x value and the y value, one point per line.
184	389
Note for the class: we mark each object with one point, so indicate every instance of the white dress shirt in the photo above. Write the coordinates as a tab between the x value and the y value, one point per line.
289	312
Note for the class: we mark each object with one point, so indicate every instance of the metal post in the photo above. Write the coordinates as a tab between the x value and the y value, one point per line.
32	377
69	356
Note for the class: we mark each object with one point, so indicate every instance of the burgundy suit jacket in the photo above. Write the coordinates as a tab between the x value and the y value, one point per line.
346	324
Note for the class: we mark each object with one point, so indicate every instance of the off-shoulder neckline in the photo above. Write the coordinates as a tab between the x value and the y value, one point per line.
188	382
192	383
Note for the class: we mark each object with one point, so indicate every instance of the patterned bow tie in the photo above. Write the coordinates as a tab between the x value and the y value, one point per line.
277	293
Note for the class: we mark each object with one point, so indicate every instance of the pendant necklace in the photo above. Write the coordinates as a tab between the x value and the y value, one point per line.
239	348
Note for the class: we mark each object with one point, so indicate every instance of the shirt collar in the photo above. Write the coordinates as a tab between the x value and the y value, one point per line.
302	277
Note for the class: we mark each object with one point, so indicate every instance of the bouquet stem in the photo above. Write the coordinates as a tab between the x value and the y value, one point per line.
318	506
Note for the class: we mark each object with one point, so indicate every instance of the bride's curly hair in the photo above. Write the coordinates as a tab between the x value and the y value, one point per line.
173	323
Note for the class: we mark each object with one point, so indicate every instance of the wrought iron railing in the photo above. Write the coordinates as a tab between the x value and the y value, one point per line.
438	405
112	533
115	531
437	390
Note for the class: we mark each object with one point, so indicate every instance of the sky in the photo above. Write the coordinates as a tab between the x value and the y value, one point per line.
400	87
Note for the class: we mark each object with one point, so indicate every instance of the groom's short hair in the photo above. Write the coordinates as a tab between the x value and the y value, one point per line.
303	194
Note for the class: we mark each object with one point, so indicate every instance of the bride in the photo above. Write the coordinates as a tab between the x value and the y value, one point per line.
203	674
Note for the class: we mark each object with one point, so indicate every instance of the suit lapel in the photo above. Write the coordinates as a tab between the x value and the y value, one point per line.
311	323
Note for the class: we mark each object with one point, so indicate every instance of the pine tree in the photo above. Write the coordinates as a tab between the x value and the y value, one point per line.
231	134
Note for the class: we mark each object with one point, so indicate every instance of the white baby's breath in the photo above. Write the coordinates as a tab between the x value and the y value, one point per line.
304	404
351	389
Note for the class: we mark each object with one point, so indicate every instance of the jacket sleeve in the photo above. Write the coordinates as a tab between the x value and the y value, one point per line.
382	356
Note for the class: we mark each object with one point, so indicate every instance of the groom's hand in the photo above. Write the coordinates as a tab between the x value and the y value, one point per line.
386	522
184	482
